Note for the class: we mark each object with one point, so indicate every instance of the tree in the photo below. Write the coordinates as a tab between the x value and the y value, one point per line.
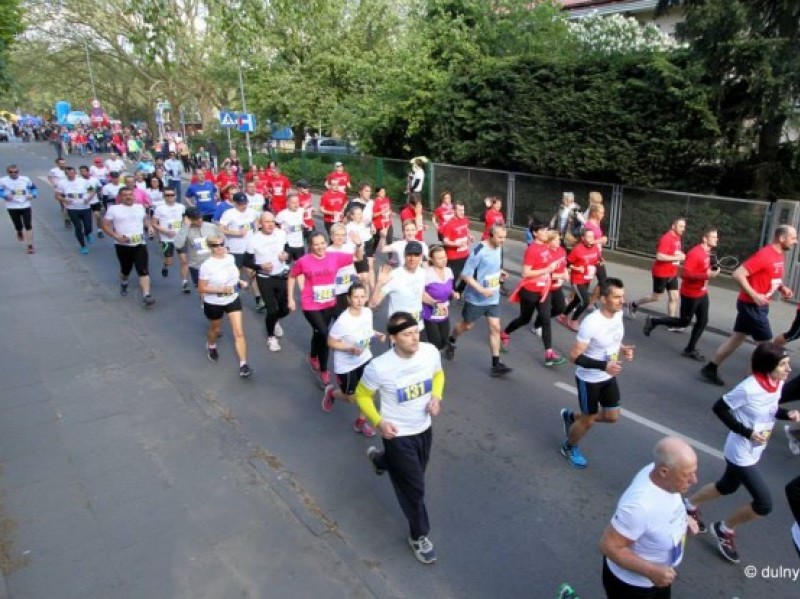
10	27
749	54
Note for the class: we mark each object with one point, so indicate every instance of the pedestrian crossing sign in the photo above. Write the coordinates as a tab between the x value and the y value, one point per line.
228	119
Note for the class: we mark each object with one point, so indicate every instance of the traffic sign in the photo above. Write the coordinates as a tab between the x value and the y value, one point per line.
228	119
247	123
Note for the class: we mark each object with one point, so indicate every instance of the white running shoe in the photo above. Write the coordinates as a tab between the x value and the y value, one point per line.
272	344
278	330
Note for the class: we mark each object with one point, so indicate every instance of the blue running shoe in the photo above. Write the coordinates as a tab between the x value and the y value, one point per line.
574	455
84	250
89	239
568	417
566	592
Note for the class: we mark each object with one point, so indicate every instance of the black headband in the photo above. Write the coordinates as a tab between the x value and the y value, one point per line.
403	324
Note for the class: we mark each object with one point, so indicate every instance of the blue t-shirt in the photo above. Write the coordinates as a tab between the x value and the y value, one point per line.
483	265
221	209
202	194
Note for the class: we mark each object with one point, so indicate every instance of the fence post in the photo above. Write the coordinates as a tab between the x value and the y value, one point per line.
510	199
615	216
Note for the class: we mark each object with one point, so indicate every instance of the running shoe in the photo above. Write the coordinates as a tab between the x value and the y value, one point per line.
362	426
89	239
574	325
212	353
245	371
551	358
630	310
165	272
123	289
794	444
505	340
574	456
373	453
536	331
328	399
567	418
449	350
694	514
313	363
566	592
726	541
260	305
648	326
148	301
272	344
324	379
185	287
693	354
84	250
100	235
31	250
709	372
500	369
676	329
423	549
67	223
20	236
563	320
278	330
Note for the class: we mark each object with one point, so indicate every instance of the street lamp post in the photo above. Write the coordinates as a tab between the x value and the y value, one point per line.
244	109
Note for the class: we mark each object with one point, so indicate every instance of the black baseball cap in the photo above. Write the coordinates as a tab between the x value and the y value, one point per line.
413	248
192	212
240	198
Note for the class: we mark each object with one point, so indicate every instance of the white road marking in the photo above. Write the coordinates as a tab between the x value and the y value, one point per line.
664	430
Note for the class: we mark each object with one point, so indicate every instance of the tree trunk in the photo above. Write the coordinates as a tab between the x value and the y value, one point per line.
767	165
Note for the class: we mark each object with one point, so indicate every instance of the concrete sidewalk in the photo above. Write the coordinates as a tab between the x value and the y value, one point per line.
121	482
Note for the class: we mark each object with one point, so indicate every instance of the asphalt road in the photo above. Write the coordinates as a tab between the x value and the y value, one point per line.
510	518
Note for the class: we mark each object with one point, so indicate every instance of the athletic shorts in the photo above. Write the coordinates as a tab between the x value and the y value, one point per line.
361	266
591	396
238	259
215	312
470	313
753	321
662	284
167	249
348	381
96	207
21	217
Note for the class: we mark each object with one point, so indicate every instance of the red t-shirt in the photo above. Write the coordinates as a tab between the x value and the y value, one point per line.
222	182
457	229
334	201
408	213
443	214
338	179
537	256
559	257
586	258
307	206
669	244
382	213
694	276
278	188
490	218
766	272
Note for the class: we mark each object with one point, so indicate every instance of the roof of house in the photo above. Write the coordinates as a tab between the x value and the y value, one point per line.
605	7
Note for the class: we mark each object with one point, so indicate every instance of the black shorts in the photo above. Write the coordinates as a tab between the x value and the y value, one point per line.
167	249
295	253
131	256
749	476
369	248
752	320
361	266
662	284
348	381
215	312
96	207
593	395
238	259
21	217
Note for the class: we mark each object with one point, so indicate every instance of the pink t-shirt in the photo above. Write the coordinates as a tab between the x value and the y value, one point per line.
320	279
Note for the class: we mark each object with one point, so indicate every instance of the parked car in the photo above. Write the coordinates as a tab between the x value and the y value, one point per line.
332	145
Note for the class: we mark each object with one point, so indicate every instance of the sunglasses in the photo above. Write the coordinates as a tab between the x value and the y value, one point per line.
216	245
13	172
169	195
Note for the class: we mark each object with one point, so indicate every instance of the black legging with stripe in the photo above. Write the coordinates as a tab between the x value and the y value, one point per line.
528	302
320	321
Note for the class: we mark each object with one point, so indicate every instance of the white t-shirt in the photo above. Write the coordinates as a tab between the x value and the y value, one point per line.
399	247
18	194
117	165
404	290
362	229
346	275
56	175
353	330
99	172
170	217
404	387
238	220
111	190
127	221
655	520
94	185
256	202
754	407
76	191
292	224
156	197
220	272
604	336
267	248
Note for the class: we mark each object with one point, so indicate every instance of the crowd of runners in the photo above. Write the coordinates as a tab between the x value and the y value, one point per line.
242	237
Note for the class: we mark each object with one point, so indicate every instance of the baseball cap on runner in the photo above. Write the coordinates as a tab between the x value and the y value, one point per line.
240	198
98	160
338	164
192	212
302	183
413	248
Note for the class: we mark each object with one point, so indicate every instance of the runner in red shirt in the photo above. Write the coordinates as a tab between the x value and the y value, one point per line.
557	302
583	260
413	212
759	278
456	239
382	218
332	204
278	189
224	180
338	178
493	216
443	213
697	270
533	292
665	270
307	206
